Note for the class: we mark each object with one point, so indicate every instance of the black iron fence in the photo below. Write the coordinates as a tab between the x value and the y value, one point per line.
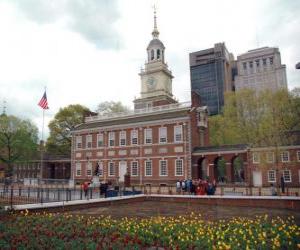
15	194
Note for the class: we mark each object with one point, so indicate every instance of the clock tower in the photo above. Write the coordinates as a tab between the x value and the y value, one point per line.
156	78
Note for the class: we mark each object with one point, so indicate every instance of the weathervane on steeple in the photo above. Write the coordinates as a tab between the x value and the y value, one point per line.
155	32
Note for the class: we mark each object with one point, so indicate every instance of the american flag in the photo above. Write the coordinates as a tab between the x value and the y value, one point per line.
43	102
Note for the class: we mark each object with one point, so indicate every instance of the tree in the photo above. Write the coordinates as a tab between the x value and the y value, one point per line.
18	141
111	107
264	119
59	141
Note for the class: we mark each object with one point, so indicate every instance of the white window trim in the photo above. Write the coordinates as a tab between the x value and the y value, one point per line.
269	180
98	136
178	127
145	135
289	175
288	154
111	137
272	157
136	132
137	170
78	141
298	156
122	136
160	161
89	167
89	139
161	136
175	171
109	166
78	167
258	158
146	168
101	166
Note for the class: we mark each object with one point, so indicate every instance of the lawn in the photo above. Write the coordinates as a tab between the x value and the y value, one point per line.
69	231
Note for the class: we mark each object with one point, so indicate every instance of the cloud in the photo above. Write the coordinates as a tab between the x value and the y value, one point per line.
93	19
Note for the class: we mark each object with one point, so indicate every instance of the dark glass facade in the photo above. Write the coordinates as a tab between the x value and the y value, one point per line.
208	81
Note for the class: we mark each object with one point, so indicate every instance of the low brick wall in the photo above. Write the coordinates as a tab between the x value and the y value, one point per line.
292	203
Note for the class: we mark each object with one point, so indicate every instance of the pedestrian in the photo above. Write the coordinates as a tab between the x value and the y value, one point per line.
273	190
178	186
183	186
85	188
282	184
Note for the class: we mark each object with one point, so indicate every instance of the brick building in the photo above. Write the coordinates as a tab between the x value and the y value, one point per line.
153	143
54	167
246	166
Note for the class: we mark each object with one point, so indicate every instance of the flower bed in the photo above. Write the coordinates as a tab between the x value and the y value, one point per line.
65	231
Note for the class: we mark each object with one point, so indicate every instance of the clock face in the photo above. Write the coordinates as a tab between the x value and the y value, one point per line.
151	82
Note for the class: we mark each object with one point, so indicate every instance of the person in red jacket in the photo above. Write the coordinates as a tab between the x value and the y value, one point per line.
85	188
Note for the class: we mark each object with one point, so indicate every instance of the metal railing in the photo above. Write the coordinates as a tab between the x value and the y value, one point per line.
155	109
14	195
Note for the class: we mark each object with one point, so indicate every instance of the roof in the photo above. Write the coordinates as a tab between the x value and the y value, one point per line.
134	119
156	42
236	147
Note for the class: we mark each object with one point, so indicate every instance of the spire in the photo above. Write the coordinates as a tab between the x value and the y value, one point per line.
155	32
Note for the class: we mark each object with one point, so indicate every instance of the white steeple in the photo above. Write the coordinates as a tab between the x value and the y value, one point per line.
155	32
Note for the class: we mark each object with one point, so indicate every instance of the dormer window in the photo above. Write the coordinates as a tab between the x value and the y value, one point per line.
152	54
158	54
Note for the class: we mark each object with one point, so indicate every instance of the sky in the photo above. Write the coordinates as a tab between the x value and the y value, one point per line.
90	51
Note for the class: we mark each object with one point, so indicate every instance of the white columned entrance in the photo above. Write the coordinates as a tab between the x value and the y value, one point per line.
122	170
257	178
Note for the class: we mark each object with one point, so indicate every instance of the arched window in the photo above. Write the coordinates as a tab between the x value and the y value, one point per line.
158	54
152	54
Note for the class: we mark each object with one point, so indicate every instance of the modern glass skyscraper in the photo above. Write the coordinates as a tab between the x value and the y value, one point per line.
211	75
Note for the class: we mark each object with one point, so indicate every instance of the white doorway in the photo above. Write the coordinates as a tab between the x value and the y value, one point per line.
257	178
122	170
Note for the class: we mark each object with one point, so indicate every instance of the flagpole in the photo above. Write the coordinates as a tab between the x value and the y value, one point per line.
42	145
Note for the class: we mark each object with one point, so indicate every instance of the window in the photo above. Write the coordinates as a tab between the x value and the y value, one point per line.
178	167
178	133
134	137
251	65
111	169
257	63
287	175
270	157
244	65
100	140
100	168
148	168
78	142
89	140
148	136
271	60
162	135
298	155
264	62
122	138
158	54
271	176
111	139
285	156
163	171
78	169
89	169
152	54
134	168
256	158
